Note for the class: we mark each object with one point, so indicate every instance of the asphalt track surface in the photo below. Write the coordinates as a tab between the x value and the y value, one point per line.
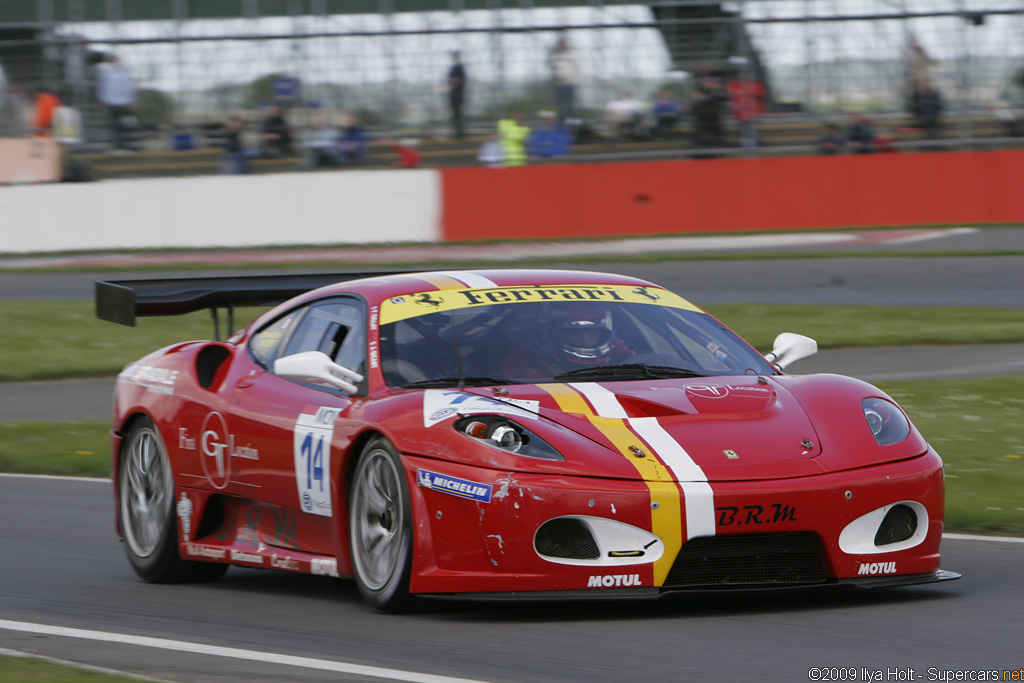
61	565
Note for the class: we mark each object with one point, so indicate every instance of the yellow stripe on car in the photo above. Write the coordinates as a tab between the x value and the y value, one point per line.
666	510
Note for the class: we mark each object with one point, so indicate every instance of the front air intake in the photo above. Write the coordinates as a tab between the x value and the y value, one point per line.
566	538
754	560
899	524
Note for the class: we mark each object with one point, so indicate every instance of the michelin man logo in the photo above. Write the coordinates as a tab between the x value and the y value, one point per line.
184	508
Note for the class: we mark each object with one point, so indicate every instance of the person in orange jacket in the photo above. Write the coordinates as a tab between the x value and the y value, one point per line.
42	112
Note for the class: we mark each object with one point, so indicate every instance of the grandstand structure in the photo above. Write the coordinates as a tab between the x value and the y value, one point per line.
384	61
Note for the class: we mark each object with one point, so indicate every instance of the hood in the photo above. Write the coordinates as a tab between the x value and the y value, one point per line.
718	429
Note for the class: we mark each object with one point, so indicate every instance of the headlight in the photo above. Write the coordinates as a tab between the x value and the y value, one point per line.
508	436
886	421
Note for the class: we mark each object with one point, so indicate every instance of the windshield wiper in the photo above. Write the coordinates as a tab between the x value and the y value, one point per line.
628	371
457	381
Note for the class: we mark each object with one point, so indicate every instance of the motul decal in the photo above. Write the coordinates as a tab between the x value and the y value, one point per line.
613	581
877	568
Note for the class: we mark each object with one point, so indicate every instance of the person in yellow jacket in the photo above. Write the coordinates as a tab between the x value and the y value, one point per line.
512	135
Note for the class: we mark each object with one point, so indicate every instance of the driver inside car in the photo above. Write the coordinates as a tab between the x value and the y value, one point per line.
577	336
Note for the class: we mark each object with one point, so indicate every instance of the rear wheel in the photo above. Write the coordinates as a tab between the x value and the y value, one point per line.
380	527
146	491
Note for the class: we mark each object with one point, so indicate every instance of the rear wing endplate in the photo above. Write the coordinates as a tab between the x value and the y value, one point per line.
123	301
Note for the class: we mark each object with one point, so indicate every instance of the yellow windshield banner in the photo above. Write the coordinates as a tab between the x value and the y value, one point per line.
422	303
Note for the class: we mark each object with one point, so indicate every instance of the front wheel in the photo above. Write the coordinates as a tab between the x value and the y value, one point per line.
380	527
146	490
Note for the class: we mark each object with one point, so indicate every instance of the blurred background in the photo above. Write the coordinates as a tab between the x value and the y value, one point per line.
789	67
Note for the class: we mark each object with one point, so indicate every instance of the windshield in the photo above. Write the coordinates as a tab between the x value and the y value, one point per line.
441	339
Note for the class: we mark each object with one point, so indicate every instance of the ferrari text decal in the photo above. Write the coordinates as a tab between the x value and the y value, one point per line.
439	404
422	303
463	488
312	443
755	514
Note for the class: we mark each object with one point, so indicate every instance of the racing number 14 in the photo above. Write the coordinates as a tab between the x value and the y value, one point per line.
314	460
312	444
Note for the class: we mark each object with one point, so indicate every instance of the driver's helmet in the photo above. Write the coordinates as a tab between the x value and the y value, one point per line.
584	333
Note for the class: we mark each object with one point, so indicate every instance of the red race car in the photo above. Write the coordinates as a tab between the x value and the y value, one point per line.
506	434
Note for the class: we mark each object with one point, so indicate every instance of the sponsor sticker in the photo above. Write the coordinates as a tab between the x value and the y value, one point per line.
218	447
156	380
312	445
462	488
421	303
323	566
872	568
439	405
184	509
613	581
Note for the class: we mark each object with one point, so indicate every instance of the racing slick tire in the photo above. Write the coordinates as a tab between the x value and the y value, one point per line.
380	528
148	524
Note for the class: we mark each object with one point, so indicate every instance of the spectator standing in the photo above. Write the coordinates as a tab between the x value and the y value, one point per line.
234	160
626	116
46	103
550	139
747	99
926	108
860	135
667	111
490	153
277	136
354	144
321	145
708	109
116	89
565	70
831	141
512	135
457	93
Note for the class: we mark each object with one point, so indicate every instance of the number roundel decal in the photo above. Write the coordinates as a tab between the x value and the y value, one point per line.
312	442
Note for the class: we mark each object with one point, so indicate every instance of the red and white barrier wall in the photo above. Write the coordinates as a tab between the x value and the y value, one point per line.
549	201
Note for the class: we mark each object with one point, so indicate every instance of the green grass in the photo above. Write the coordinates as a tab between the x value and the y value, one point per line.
79	448
38	670
63	339
973	424
864	326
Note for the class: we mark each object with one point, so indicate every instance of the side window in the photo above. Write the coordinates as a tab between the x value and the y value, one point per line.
337	328
266	344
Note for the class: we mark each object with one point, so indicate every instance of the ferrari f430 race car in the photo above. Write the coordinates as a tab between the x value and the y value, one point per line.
506	434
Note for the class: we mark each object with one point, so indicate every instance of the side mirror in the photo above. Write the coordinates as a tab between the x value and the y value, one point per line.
789	348
318	368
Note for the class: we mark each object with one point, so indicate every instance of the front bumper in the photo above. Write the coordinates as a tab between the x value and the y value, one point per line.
483	542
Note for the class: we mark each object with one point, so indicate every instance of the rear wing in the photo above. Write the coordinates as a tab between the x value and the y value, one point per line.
122	301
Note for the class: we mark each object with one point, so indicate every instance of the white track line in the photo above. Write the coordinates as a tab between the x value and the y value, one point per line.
234	653
54	477
972	537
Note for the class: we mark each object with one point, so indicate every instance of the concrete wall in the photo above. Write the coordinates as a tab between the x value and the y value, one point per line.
289	208
547	201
